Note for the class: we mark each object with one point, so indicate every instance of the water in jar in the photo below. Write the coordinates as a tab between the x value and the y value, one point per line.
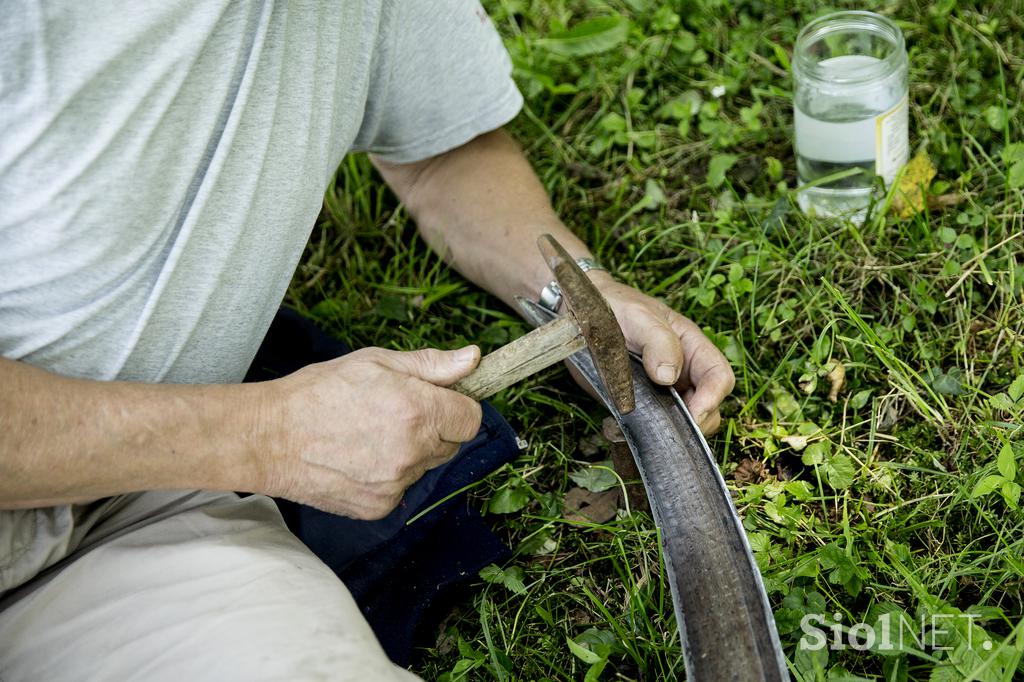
849	128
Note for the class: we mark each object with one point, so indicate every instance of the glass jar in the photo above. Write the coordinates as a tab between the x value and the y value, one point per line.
849	110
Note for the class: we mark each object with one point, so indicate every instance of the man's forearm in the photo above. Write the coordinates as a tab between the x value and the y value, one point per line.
482	207
69	440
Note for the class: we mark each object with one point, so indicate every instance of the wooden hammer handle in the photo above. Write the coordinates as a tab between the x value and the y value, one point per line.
529	354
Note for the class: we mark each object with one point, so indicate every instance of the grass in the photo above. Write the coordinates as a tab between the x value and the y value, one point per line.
901	496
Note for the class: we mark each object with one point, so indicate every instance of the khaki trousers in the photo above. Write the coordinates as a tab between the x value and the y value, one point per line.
174	586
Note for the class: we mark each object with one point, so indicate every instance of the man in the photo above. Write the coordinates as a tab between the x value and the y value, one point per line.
161	165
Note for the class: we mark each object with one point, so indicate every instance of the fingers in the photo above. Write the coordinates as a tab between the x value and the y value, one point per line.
657	343
441	419
439	367
707	422
712	389
712	422
676	351
455	417
450	417
707	378
402	424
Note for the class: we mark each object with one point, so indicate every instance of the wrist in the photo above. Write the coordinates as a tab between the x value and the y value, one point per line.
551	296
254	413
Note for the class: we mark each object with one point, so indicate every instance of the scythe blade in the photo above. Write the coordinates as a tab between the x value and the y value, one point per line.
725	622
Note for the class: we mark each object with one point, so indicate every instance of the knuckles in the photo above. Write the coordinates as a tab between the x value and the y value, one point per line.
730	380
402	417
383	504
472	415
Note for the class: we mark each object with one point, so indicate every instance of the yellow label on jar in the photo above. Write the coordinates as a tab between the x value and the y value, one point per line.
892	143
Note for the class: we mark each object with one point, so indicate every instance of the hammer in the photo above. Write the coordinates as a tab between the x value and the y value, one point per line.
590	323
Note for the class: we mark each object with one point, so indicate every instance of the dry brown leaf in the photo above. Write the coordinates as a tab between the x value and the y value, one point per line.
796	442
837	379
586	507
911	192
591	444
749	471
939	202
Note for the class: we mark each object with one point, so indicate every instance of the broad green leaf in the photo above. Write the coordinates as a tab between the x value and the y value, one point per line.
784	406
718	167
539	544
1015	176
513	580
675	109
895	669
684	128
1016	389
822	347
845	569
1006	463
1013	153
946	383
816	453
491	573
799	490
787	620
511	577
654	195
594	672
889	622
1001	401
987	485
596	479
759	542
462	666
583	653
467	651
776	510
781	56
685	106
996	117
588	37
508	499
945	673
810	662
664	19
1011	493
860	399
684	42
749	115
599	641
392	307
839	471
612	122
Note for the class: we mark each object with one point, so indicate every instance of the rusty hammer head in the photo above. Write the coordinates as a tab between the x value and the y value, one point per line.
597	323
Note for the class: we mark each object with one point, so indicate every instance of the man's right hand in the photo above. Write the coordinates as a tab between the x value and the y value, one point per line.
350	435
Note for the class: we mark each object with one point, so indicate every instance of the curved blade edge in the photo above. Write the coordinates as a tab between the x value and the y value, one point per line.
725	621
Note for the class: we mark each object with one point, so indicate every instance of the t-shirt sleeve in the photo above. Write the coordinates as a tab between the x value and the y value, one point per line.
440	77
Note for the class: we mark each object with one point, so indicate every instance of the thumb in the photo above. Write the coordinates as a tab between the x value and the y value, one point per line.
439	367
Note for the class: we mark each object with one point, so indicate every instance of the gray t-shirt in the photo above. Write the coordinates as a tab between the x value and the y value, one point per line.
162	163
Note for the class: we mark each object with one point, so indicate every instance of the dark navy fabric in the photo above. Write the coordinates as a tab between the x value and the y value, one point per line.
404	576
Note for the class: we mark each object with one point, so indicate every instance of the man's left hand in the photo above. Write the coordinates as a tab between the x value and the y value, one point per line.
675	351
